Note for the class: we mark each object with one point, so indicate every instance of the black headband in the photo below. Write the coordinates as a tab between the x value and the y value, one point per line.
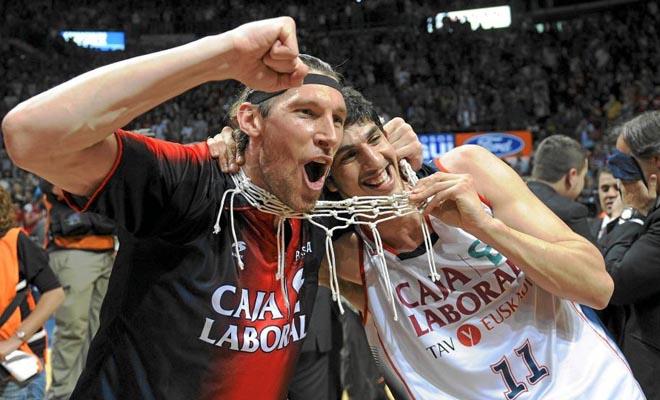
257	97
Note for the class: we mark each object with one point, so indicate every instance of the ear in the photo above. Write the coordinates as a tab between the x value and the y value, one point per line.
571	178
249	119
330	184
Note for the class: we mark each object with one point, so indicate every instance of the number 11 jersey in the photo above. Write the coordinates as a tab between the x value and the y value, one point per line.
483	330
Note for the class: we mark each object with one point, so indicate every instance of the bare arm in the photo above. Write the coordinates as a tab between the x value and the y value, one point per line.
48	303
64	133
523	229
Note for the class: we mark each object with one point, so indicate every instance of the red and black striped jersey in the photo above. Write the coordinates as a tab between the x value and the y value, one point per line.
180	319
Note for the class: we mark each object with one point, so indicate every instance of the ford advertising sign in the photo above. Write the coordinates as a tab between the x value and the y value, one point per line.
502	144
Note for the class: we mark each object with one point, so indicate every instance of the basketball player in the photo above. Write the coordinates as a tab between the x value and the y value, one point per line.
496	323
186	317
501	321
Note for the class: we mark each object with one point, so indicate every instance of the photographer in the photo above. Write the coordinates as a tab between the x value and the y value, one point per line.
632	248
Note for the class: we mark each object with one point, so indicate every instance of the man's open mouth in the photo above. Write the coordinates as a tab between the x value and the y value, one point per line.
315	170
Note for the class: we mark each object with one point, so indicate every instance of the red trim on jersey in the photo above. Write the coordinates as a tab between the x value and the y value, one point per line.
365	310
600	336
97	192
441	168
393	366
170	150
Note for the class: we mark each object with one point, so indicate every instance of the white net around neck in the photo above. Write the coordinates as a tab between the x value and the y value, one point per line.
368	211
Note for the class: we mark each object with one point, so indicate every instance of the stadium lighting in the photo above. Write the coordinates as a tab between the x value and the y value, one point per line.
487	18
99	40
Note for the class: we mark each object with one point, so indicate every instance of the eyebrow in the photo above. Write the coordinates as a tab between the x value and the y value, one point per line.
365	136
303	103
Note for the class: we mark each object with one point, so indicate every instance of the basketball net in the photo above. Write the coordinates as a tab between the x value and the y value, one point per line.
368	211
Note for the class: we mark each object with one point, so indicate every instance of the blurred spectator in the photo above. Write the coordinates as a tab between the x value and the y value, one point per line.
560	165
81	249
24	267
632	251
609	201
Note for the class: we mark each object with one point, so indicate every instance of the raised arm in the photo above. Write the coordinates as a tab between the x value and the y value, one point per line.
64	134
523	229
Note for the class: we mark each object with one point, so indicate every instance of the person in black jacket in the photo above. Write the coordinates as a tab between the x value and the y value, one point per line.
560	166
632	253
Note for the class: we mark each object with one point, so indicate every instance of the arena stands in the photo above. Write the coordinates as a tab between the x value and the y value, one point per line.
576	77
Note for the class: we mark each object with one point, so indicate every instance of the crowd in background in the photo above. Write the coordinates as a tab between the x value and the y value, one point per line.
577	77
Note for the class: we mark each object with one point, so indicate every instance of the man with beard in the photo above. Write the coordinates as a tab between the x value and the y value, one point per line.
501	318
192	314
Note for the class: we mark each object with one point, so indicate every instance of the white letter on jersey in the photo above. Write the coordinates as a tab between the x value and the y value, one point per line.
216	299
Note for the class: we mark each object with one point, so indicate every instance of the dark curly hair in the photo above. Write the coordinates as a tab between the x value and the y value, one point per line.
7	214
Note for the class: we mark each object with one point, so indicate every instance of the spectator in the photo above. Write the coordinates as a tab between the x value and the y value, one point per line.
632	251
609	201
24	266
560	166
81	249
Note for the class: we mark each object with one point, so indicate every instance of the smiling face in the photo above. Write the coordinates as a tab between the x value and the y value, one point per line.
292	147
365	164
608	192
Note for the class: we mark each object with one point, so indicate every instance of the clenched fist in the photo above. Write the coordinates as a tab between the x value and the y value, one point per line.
265	55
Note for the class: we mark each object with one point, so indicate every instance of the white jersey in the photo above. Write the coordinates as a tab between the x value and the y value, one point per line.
484	331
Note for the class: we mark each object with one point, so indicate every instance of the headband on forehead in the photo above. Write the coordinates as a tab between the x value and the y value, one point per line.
257	97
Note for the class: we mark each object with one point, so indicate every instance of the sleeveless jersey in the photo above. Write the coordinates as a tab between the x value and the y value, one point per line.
483	330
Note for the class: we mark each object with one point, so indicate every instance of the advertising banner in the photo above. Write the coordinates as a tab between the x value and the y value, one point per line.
503	144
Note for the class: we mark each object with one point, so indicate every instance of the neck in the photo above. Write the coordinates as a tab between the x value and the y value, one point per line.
556	186
403	234
251	168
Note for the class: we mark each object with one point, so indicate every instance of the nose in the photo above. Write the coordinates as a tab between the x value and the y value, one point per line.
368	156
328	135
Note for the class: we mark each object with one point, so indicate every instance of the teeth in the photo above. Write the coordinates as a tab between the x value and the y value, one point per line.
378	180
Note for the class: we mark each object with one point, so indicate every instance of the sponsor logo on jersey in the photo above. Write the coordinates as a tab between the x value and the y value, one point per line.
453	297
246	310
444	346
241	248
303	250
505	310
469	335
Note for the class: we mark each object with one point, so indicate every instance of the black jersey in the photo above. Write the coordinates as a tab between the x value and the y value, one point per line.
180	319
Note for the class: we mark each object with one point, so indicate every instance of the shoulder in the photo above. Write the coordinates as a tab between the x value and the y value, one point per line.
463	159
539	188
163	149
24	243
654	217
493	179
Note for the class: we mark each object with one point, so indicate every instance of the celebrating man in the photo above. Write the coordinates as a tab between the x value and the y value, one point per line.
500	319
189	314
